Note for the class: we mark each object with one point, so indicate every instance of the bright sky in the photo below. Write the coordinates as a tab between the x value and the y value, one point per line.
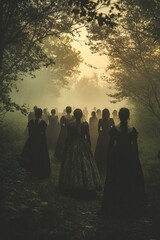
92	95
92	59
98	98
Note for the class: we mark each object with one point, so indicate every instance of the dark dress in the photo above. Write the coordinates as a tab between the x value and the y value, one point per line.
35	157
104	126
93	129
79	175
64	121
53	132
124	185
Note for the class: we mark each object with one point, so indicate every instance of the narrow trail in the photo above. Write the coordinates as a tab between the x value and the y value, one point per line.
82	221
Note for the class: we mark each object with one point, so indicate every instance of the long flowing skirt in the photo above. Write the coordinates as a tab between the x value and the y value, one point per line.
124	186
79	172
101	153
35	157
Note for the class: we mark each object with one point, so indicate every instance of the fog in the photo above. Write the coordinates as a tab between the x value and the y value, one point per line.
85	90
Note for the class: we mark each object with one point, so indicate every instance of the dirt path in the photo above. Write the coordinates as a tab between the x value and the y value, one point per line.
80	220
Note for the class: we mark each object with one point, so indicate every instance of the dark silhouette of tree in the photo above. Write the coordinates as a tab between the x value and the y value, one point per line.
49	81
134	55
25	24
150	10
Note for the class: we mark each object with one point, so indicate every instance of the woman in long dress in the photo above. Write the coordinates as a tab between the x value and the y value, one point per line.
104	125
64	121
93	129
124	185
53	130
35	157
79	175
115	116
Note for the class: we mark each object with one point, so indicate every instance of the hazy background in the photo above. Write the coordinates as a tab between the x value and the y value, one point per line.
86	90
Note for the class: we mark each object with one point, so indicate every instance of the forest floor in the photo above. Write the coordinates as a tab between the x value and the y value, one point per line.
64	218
72	219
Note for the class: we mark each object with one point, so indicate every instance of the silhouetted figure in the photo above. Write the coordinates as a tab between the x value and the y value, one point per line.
98	113
115	117
64	121
85	113
53	130
79	174
95	109
93	128
58	113
35	152
124	185
104	125
31	115
64	112
83	118
45	115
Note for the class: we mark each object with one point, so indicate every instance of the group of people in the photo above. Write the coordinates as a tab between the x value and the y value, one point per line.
87	152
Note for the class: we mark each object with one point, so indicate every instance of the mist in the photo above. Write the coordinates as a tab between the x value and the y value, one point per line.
84	89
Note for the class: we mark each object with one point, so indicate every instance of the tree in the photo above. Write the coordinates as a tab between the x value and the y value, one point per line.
23	27
150	10
134	57
66	58
87	91
46	86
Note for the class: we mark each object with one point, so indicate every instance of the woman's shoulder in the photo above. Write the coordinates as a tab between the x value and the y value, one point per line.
63	117
31	123
111	120
134	131
130	129
63	120
42	122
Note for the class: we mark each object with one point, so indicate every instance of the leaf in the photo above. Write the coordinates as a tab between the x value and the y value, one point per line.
88	226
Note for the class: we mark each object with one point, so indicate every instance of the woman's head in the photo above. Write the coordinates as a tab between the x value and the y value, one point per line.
105	113
34	108
38	112
53	111
114	113
124	114
68	109
78	113
93	114
98	111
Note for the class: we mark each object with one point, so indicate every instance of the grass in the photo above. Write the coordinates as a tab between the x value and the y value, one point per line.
37	210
